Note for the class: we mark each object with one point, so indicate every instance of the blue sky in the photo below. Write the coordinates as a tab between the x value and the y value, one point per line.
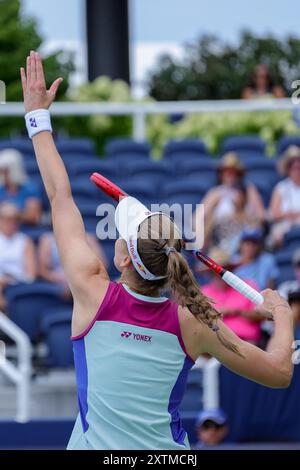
162	26
175	20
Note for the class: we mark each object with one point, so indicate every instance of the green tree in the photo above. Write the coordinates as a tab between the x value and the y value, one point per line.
213	69
19	35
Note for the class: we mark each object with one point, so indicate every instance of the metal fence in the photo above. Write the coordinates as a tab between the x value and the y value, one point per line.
140	111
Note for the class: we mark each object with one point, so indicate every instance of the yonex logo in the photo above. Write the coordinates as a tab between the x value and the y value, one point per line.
136	336
32	122
126	334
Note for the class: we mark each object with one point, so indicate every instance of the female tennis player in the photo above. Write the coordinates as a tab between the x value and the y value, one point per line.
133	348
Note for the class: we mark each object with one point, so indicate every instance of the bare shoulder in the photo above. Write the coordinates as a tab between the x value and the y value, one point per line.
192	331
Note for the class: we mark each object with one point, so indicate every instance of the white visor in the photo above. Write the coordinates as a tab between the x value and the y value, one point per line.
129	215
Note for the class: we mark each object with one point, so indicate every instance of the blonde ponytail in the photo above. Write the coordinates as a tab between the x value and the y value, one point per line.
188	294
159	246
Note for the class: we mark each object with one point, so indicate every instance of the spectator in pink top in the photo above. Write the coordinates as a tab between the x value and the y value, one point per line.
238	312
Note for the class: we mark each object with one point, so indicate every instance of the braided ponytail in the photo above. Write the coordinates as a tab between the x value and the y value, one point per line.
188	294
159	246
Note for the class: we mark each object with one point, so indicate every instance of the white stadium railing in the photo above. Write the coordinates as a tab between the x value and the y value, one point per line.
19	374
139	111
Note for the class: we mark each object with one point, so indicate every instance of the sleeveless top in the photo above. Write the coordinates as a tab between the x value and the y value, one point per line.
12	251
290	195
131	371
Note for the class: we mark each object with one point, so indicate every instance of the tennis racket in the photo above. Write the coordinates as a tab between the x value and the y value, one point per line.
109	188
231	279
113	191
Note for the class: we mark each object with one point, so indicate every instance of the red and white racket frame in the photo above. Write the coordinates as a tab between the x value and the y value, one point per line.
116	193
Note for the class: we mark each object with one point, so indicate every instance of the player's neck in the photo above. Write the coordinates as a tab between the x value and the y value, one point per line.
129	279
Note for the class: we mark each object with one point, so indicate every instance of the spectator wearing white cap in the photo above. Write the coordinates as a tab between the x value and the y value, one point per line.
285	200
294	284
16	188
211	427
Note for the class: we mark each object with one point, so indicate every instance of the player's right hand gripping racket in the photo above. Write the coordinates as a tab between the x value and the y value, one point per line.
113	191
231	279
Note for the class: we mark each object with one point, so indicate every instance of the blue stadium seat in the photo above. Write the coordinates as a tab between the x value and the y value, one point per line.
292	239
207	180
108	247
126	148
187	148
83	146
23	144
88	212
141	189
148	170
87	167
31	167
56	327
203	169
83	193
285	141
35	233
245	155
260	162
264	187
71	159
186	191
190	165
252	144
36	179
192	399
269	176
85	190
261	168
257	413
27	303
285	265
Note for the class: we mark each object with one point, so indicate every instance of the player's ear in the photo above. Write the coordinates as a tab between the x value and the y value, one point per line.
126	261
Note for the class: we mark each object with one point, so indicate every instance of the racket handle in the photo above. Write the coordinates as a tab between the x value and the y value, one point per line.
241	286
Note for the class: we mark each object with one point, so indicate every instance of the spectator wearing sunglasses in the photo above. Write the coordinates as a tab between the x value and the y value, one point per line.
211	428
285	200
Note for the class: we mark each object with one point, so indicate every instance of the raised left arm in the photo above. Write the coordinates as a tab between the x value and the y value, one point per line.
79	261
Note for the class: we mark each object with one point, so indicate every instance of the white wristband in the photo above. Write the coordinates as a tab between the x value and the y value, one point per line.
38	121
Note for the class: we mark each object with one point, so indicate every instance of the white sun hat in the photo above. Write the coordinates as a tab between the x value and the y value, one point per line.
129	215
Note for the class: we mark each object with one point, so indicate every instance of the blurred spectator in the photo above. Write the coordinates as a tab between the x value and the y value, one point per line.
225	232
285	200
238	311
17	255
254	263
15	187
220	201
211	427
294	301
289	286
50	268
261	85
